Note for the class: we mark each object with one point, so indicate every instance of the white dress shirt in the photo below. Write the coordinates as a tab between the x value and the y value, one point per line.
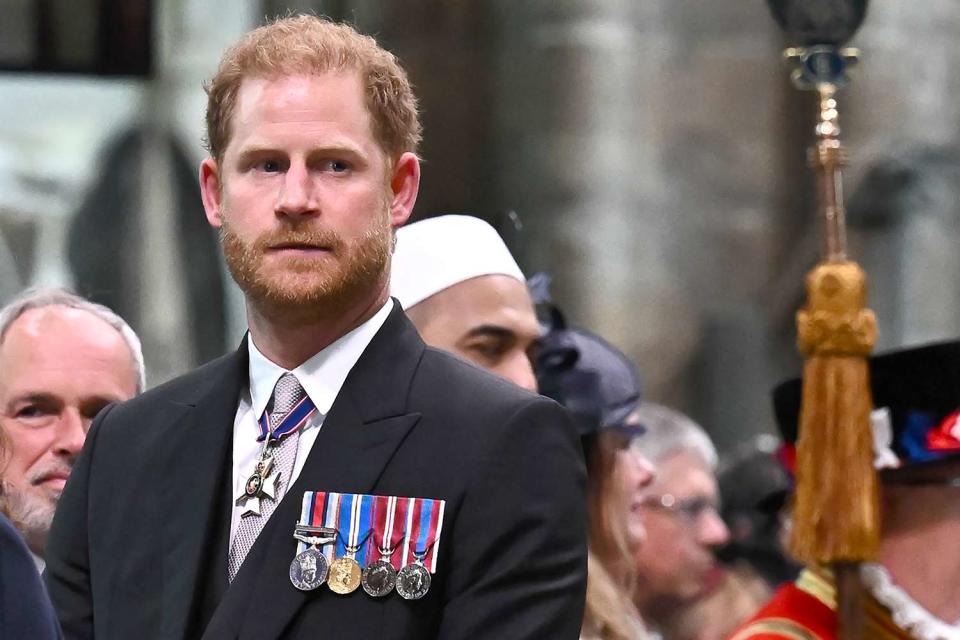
321	377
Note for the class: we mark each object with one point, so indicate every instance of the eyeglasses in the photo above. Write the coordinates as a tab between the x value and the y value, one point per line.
690	509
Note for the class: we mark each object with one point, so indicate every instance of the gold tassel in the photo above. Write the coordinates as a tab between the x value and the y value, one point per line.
836	515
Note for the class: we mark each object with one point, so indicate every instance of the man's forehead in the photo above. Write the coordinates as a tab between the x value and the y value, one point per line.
491	300
685	472
65	339
44	323
303	95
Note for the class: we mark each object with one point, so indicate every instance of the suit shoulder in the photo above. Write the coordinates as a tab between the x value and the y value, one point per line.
449	374
480	410
189	387
9	536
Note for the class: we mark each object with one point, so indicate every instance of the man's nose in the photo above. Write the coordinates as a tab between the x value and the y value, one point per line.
71	433
645	470
297	192
713	530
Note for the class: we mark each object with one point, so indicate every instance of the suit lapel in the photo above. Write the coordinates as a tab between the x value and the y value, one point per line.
365	426
195	463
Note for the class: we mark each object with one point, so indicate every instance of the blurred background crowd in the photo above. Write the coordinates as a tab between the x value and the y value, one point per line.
648	155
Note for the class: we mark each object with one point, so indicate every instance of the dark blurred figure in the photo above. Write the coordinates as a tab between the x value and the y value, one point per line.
754	486
25	609
601	387
105	251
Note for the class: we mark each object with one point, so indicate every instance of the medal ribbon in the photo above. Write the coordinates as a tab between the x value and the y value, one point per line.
424	525
389	527
344	523
354	528
295	419
436	528
331	518
388	520
312	512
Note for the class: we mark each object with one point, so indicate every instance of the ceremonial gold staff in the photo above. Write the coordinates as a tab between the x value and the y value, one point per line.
836	520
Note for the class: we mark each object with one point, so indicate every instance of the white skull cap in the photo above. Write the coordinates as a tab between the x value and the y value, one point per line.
437	253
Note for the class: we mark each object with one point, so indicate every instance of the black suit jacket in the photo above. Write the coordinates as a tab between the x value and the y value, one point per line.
139	543
25	610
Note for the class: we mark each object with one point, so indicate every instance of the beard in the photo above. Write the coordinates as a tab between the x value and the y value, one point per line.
30	513
308	288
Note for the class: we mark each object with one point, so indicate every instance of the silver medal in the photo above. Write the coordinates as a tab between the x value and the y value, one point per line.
261	484
413	582
379	578
308	570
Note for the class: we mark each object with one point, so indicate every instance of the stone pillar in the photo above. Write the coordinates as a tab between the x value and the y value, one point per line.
903	115
447	49
196	34
637	140
577	156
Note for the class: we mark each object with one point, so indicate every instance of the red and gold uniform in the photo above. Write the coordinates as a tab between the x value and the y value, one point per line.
807	610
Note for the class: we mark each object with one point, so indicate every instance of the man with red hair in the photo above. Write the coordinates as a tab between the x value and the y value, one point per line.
217	505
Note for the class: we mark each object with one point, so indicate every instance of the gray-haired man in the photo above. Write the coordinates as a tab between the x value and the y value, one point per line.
62	359
676	564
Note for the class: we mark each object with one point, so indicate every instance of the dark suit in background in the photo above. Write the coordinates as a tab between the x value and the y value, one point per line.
139	545
25	610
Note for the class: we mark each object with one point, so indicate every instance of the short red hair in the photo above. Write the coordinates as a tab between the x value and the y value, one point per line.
312	45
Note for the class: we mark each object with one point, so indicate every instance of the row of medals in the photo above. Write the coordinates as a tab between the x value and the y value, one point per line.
309	570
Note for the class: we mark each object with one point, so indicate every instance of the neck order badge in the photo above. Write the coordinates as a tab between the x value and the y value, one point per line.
369	531
262	483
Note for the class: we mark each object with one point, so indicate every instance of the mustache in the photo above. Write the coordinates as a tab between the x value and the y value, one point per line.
48	471
324	238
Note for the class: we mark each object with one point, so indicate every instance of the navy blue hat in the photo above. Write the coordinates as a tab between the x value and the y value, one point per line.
590	377
917	396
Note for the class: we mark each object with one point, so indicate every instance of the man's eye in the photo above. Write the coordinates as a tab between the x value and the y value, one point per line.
270	166
489	350
28	412
31	411
337	166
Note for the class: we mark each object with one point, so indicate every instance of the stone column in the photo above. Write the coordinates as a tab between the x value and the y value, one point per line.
577	156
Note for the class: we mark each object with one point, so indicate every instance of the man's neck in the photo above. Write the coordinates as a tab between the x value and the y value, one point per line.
291	343
923	563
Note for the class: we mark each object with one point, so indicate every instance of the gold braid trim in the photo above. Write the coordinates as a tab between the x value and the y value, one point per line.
778	626
819	584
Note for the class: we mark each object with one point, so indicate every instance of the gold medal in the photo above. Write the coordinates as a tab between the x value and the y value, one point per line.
344	576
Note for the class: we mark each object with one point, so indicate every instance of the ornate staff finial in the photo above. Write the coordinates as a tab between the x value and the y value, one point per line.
836	508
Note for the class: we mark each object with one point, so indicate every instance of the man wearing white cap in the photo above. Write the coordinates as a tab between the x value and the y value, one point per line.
465	294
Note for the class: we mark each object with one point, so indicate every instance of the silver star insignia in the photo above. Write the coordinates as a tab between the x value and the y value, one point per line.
267	490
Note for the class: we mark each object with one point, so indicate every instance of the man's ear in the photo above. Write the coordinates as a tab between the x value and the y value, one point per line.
404	187
211	192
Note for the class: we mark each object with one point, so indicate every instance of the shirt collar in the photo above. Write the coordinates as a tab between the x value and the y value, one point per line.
39	562
323	374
